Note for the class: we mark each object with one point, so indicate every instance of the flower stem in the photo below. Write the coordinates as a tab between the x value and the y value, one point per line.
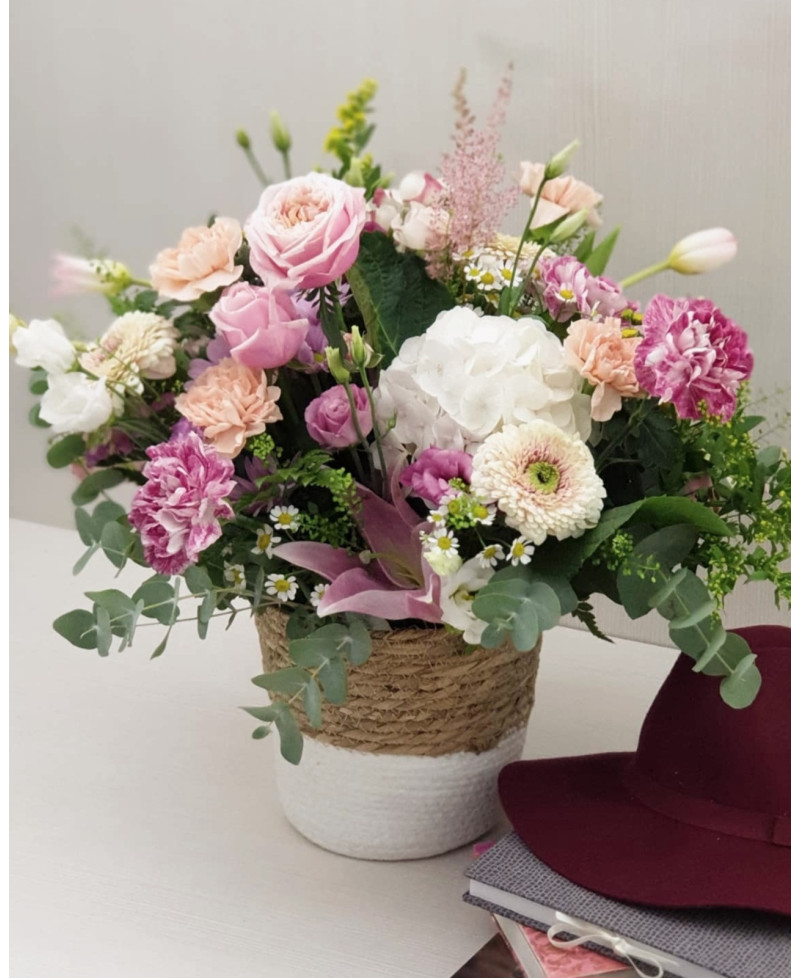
359	433
375	426
287	168
504	310
256	166
644	273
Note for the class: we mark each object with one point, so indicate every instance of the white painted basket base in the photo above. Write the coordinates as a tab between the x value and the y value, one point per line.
385	806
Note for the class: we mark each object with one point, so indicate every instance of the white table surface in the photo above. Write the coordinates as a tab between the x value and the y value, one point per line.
146	837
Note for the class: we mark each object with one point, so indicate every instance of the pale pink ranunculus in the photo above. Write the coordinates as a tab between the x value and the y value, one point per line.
262	326
330	421
602	351
305	231
420	228
560	196
203	261
230	403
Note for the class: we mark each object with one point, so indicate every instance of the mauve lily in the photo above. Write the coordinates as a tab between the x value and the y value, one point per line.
396	583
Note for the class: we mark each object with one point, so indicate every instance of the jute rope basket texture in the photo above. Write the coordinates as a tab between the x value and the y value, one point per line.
419	693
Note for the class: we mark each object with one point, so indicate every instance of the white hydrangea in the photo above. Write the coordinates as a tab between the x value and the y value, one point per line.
469	375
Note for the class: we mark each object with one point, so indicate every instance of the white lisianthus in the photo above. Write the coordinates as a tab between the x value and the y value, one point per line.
136	345
43	343
542	479
469	375
457	594
75	404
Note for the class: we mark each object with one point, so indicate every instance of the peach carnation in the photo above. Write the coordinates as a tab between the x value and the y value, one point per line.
560	196
231	403
203	261
602	351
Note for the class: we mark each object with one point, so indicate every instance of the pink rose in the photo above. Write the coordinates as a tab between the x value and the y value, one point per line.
603	354
262	327
230	403
330	421
203	261
305	232
560	196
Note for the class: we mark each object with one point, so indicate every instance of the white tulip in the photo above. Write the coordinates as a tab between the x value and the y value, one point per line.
702	251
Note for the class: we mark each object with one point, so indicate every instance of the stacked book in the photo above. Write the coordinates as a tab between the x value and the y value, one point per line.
551	928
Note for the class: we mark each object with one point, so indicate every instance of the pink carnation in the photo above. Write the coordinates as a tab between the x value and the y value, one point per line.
330	421
692	353
567	288
262	327
177	511
429	477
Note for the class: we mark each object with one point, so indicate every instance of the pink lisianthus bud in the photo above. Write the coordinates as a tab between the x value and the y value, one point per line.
329	419
421	187
73	275
430	476
702	251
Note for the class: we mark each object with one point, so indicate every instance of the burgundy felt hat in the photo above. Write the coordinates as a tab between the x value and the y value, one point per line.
698	816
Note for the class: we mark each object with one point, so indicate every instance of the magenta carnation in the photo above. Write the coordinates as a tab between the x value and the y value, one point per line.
429	477
177	511
692	354
567	287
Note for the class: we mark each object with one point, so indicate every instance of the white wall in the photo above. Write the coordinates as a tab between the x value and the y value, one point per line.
123	117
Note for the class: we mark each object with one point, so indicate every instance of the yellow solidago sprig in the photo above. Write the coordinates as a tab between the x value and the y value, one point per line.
349	138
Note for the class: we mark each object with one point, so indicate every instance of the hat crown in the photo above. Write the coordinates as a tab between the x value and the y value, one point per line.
692	743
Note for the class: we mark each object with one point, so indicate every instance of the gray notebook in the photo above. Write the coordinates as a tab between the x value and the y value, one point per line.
701	943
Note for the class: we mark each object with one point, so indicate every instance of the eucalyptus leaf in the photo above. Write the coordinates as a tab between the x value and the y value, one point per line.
158	600
119	606
333	677
95	483
291	738
197	579
104	636
83	521
161	647
83	560
312	703
288	681
37	382
115	539
78	627
65	451
740	688
35	418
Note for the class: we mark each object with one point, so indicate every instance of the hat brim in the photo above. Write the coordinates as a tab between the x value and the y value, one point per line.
576	815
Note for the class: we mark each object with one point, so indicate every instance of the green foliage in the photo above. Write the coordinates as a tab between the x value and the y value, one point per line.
518	605
597	258
65	451
95	483
394	294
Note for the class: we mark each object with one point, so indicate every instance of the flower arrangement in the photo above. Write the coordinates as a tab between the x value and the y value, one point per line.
369	406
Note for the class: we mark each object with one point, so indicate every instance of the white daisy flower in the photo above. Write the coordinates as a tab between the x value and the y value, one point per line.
490	280
483	513
282	587
438	516
235	576
318	594
444	540
542	478
285	517
490	555
520	552
266	539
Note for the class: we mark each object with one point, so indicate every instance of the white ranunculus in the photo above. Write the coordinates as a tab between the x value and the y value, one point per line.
458	591
470	375
43	343
75	404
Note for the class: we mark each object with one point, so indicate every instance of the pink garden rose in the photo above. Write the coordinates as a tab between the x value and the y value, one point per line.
177	511
429	476
330	421
692	354
305	231
203	261
230	403
560	196
262	327
602	353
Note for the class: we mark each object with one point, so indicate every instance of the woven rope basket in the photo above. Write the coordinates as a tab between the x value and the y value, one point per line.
419	692
407	767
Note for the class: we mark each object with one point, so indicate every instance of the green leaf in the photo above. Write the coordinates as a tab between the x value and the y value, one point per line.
35	419
394	293
264	713
94	484
106	511
115	540
104	636
65	451
37	382
695	616
158	597
333	676
596	262
83	521
584	249
740	688
493	636
301	623
78	627
159	649
359	648
519	605
119	606
260	733
769	457
291	738
312	703
197	579
636	582
82	561
288	681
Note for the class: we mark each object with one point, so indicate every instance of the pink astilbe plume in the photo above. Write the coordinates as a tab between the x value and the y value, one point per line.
478	192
